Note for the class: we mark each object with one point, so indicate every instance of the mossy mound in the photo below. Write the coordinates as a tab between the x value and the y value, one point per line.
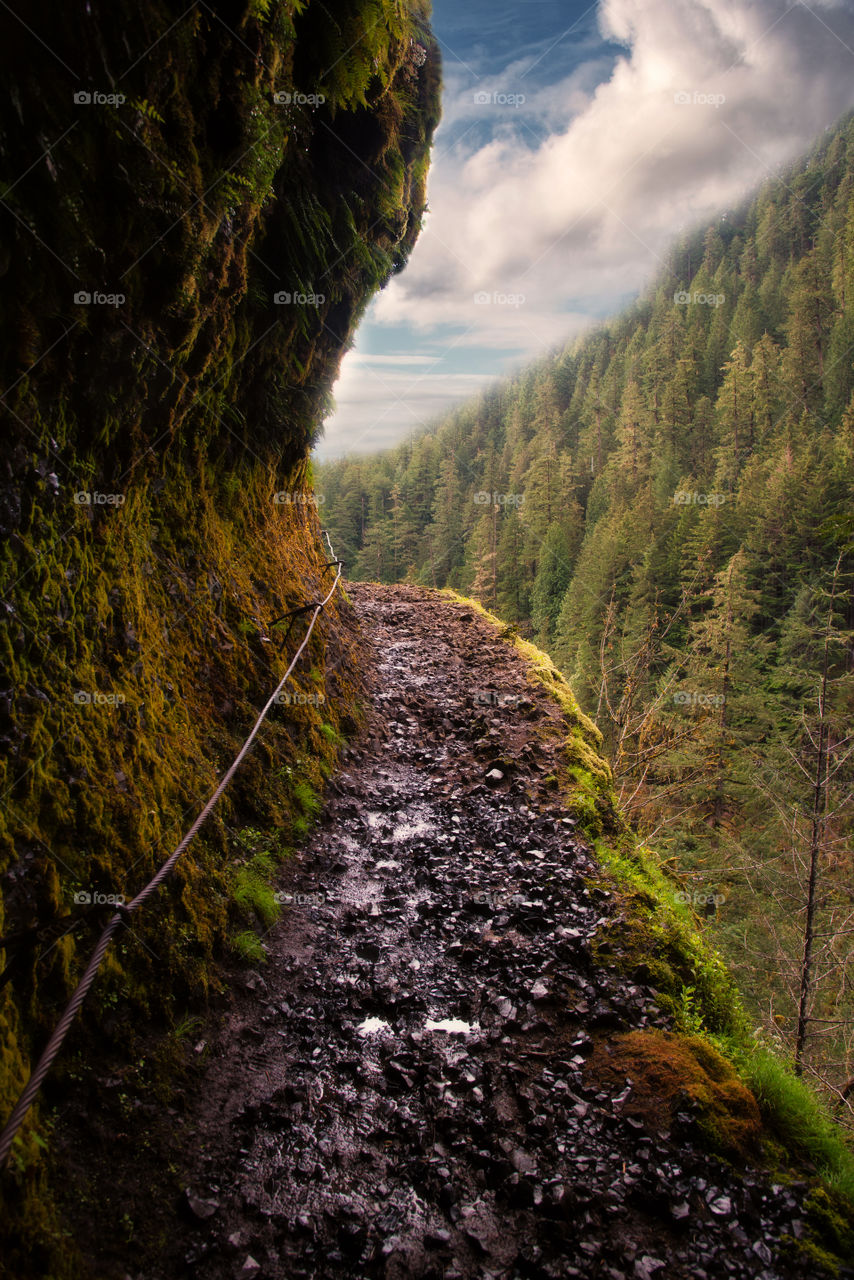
673	1074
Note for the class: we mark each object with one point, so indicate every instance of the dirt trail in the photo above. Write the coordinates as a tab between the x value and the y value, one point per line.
403	1090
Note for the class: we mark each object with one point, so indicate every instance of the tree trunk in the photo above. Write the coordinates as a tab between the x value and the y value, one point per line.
819	797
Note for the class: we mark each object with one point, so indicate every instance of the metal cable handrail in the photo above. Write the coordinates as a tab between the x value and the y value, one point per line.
122	915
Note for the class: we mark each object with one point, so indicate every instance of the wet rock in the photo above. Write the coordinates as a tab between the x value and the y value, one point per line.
721	1206
200	1207
647	1267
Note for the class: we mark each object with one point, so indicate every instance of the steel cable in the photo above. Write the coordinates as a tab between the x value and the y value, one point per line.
120	918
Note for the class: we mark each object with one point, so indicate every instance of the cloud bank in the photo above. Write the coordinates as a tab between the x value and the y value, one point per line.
552	202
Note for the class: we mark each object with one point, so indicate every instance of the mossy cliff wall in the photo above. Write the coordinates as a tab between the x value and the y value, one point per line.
196	206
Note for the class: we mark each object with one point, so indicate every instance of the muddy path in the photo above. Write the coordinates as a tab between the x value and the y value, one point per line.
405	1088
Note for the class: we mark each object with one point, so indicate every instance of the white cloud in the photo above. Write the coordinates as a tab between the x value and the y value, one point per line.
586	212
380	401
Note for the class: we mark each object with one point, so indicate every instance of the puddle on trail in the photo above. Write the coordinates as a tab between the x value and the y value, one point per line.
372	1025
408	830
453	1025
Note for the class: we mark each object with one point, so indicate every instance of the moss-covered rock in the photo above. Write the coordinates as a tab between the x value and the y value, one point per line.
672	1074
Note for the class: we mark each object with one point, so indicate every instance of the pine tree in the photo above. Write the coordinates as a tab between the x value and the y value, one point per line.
721	685
556	561
734	419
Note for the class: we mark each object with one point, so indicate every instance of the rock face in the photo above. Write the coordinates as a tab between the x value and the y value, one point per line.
201	200
198	202
435	1075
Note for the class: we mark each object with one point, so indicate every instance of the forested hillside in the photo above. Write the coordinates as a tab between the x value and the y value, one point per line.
666	506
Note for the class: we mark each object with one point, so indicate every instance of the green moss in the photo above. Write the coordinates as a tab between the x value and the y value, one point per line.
157	615
673	1074
809	1257
253	895
797	1117
306	798
829	1214
655	938
248	946
331	735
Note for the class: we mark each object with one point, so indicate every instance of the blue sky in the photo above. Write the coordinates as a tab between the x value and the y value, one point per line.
576	142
